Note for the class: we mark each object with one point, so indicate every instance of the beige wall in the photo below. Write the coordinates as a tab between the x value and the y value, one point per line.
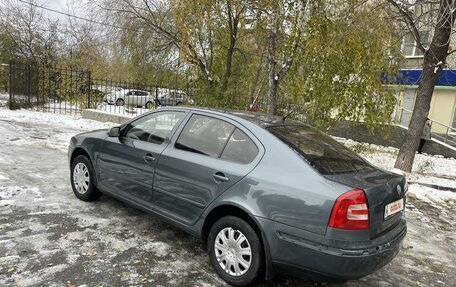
442	109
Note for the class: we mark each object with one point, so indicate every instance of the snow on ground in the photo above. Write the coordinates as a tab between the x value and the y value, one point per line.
55	130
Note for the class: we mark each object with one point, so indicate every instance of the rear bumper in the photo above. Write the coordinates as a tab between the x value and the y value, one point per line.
294	255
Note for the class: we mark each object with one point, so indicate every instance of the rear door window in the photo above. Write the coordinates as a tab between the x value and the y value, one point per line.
321	151
240	148
205	135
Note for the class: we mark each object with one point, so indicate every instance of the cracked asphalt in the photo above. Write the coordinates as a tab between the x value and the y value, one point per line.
50	238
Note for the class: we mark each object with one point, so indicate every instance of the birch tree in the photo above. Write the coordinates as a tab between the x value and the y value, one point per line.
285	20
340	63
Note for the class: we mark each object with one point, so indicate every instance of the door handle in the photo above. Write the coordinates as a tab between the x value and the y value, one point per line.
149	158
220	177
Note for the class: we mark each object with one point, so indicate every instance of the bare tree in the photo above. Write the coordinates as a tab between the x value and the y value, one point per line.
25	25
413	16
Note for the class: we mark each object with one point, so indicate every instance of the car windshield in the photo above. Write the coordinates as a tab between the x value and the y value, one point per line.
322	152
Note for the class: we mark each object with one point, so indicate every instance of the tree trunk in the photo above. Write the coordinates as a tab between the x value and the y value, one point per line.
404	160
273	79
434	59
233	27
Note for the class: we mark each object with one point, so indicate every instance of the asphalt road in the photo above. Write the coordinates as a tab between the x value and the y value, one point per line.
50	238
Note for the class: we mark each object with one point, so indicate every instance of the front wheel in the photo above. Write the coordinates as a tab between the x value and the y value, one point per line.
82	179
235	251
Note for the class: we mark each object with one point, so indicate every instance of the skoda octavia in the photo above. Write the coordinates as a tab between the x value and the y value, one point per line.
266	194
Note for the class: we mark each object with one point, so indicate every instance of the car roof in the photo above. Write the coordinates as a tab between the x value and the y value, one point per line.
261	119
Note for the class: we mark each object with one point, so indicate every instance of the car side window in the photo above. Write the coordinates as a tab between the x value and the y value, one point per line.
205	135
155	127
140	93
240	148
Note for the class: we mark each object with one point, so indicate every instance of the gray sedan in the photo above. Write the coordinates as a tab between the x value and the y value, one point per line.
266	194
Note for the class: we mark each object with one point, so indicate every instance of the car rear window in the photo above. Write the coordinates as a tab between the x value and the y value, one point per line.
322	152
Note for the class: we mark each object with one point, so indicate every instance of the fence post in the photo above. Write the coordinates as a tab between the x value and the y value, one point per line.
29	85
10	83
156	97
89	96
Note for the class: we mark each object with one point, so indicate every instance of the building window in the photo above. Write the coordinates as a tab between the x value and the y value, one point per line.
409	47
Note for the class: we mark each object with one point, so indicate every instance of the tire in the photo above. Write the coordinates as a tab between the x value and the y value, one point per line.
120	102
230	228
158	103
83	178
149	105
178	103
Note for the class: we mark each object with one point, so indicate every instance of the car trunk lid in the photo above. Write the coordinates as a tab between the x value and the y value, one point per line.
381	188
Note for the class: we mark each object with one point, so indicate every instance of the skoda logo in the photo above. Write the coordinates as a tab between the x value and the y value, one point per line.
398	189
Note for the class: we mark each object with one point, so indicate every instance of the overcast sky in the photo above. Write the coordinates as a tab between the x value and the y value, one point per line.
59	5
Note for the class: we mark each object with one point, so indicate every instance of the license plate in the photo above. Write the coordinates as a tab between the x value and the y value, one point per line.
394	207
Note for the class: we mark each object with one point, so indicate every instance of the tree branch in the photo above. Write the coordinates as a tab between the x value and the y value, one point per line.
408	18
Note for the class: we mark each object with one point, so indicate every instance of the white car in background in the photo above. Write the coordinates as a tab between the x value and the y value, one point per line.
130	97
173	98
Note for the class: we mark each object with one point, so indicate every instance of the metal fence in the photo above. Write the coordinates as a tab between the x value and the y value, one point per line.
69	91
54	89
440	131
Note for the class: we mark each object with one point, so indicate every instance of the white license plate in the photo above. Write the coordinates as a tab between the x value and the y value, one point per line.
394	207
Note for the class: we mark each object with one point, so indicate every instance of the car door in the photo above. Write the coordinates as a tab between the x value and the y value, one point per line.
200	164
131	98
127	163
141	98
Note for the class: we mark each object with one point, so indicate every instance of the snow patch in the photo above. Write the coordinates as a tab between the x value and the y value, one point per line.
431	195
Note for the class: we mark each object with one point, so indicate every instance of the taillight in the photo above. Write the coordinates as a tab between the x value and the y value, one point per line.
350	211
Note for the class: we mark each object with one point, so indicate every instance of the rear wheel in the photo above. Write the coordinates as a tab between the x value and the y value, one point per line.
149	105
120	102
83	178
157	102
235	251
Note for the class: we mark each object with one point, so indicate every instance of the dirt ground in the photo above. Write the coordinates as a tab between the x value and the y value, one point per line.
50	238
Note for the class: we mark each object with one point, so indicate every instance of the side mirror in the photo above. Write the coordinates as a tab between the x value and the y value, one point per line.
114	132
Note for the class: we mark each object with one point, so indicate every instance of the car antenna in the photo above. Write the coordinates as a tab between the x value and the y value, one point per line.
286	116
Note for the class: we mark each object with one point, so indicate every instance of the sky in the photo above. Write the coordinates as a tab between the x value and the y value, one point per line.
59	5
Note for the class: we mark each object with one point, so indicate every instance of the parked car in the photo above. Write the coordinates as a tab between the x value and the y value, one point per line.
173	98
130	97
266	194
